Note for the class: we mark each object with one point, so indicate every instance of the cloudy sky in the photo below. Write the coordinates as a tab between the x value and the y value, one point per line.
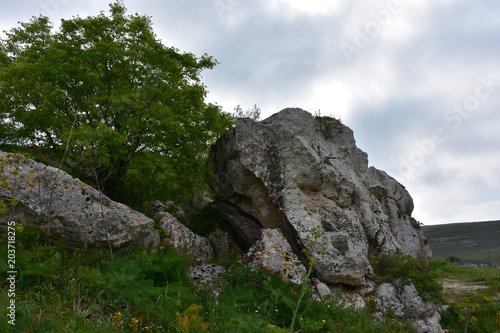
417	80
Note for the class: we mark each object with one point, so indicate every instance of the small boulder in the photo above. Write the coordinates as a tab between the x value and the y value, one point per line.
404	302
207	277
273	252
178	236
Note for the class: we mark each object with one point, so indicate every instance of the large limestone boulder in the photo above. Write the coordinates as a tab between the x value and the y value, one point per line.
305	176
51	199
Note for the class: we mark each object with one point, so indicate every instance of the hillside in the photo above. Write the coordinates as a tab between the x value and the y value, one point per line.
475	242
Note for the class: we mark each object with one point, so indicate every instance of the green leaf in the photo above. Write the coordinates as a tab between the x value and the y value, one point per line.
128	111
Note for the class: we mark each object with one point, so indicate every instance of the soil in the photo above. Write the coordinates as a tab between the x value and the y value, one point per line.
455	290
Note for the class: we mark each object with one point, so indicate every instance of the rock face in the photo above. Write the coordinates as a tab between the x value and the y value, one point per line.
247	228
305	176
51	199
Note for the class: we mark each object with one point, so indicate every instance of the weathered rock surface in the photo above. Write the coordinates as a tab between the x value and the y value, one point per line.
305	176
273	252
178	236
51	199
247	228
207	277
405	303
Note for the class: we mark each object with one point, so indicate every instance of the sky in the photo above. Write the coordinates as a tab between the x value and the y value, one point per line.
418	81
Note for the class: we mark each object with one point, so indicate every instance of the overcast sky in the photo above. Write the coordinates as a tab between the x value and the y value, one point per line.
418	81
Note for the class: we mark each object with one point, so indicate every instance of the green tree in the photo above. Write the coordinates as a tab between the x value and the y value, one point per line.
129	112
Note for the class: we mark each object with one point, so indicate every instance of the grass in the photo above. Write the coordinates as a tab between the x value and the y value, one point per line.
406	270
475	242
485	302
59	290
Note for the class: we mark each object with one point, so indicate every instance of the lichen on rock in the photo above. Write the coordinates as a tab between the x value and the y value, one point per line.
298	173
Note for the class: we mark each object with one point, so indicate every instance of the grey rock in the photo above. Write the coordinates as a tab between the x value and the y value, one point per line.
405	303
178	236
51	199
247	228
388	301
305	176
321	289
208	278
273	253
353	300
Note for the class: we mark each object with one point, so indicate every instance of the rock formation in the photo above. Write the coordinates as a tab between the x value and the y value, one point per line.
305	176
66	207
178	236
293	187
404	302
51	199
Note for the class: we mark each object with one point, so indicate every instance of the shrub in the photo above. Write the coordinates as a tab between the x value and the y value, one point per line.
405	269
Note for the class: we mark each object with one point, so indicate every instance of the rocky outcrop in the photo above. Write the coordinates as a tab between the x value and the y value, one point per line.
51	199
303	180
305	176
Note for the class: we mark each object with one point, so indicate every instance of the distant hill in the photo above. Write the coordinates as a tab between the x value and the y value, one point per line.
474	242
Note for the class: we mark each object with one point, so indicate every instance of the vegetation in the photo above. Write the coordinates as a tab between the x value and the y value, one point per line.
125	112
253	113
405	269
475	243
470	309
59	290
106	97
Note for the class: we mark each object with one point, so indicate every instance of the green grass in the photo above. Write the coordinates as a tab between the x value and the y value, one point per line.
406	270
477	242
59	290
485	302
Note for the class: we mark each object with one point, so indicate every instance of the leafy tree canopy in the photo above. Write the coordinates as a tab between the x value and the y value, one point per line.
128	111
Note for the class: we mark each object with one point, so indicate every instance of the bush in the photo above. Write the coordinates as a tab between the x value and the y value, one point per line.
405	269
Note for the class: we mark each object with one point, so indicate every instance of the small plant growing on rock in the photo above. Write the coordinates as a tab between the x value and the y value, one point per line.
253	113
7	204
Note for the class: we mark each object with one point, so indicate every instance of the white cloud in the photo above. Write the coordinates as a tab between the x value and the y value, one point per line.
296	8
393	91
